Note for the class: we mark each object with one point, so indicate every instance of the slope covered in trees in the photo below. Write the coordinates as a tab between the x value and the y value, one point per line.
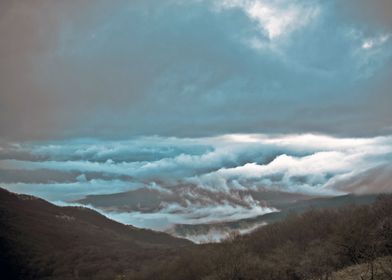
39	240
311	245
42	241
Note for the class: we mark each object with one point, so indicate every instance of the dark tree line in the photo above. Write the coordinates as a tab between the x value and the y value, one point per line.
312	245
36	242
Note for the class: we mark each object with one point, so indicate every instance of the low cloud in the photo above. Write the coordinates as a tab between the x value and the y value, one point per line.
199	179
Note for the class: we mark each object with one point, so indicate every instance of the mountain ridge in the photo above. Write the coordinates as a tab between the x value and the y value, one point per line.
35	230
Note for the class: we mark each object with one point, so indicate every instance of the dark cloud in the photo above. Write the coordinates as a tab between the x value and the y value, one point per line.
378	12
99	69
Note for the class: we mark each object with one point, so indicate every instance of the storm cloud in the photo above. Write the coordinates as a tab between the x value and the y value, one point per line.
72	69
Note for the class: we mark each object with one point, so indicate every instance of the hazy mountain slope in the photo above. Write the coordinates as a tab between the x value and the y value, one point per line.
144	200
214	231
40	240
150	200
308	246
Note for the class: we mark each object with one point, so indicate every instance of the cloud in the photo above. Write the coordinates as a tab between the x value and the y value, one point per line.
196	180
228	161
176	214
187	69
274	18
213	235
375	42
306	174
377	12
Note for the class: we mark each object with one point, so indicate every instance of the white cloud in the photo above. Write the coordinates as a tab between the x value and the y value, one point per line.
208	179
274	18
315	168
223	157
369	51
375	42
218	235
193	214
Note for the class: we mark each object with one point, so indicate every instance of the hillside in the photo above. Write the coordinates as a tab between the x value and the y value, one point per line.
146	200
220	229
41	241
150	200
335	243
381	270
38	240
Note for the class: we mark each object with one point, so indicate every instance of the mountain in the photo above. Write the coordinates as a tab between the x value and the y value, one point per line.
202	233
349	242
39	240
143	200
147	200
151	200
332	238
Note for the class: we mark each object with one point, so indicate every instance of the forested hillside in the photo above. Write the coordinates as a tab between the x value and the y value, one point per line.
312	245
39	240
43	241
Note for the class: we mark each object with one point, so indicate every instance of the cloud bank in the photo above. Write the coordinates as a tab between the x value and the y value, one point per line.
197	179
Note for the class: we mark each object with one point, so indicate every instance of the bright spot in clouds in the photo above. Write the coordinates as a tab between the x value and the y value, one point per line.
375	42
275	18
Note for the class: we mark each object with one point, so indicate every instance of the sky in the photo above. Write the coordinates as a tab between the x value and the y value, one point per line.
203	98
72	69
